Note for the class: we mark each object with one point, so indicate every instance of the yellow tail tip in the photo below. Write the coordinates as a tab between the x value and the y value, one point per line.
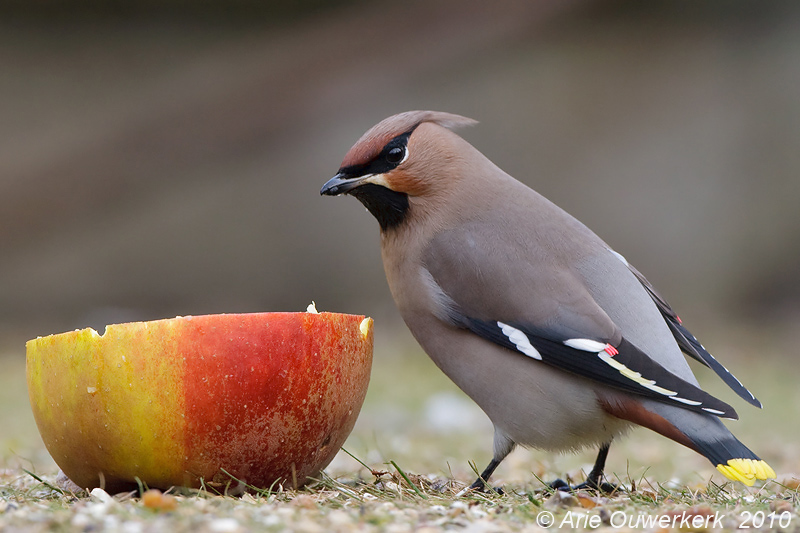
746	470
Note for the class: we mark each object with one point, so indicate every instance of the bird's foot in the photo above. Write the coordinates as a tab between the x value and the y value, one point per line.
592	485
481	486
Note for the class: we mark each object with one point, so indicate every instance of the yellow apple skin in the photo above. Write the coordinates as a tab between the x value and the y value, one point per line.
267	397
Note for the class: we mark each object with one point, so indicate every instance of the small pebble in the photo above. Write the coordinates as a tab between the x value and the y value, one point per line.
781	506
561	499
305	501
65	483
790	481
99	495
224	525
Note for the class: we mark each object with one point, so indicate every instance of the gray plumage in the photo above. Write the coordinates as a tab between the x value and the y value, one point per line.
531	314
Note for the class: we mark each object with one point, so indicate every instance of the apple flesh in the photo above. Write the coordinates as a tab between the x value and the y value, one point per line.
263	398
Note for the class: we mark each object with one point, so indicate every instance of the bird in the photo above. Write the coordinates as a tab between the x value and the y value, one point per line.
560	340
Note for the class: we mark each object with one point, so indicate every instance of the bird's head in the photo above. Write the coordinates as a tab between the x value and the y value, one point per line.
400	159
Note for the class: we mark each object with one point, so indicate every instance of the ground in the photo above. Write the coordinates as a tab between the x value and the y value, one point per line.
415	449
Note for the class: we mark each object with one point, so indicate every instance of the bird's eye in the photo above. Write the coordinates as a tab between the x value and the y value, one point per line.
395	155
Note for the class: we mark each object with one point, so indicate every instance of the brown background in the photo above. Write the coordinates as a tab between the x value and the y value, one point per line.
163	158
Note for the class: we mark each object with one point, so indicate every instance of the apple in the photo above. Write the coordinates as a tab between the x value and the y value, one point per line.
266	397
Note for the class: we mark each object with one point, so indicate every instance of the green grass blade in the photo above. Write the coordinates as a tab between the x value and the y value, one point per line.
45	483
408	480
359	461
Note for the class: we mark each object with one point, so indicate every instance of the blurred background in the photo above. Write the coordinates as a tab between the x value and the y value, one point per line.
164	157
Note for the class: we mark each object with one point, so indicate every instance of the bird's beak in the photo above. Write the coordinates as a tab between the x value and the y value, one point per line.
341	183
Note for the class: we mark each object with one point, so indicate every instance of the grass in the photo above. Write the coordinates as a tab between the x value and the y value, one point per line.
415	449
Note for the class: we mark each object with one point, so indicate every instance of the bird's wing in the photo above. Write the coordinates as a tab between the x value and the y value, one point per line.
530	302
688	342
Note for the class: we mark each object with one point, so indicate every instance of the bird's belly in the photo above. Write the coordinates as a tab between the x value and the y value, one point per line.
531	403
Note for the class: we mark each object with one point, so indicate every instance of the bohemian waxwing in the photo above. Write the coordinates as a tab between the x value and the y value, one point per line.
551	332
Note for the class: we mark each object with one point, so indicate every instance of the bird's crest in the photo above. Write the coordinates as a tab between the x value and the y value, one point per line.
373	141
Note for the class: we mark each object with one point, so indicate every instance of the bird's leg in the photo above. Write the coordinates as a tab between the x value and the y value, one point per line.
481	483
502	447
594	481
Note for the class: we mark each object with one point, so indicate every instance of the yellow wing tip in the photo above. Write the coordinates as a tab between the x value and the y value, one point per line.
746	470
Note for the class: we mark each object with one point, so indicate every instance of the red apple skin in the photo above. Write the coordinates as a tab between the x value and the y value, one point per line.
268	398
290	398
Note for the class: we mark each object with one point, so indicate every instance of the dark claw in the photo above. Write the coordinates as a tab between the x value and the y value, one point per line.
603	488
481	486
590	485
560	484
594	482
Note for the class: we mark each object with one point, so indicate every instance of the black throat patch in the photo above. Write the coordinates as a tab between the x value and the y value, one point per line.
388	206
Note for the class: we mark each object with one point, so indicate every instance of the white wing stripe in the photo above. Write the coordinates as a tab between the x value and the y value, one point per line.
523	344
520	340
684	400
586	345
